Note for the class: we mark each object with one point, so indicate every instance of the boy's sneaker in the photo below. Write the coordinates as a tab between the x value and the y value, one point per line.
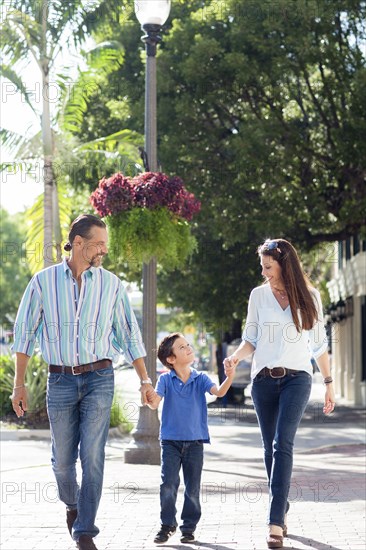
166	531
187	537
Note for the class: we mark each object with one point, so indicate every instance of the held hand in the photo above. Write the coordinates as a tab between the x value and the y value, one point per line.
230	370
147	392
19	400
329	399
230	364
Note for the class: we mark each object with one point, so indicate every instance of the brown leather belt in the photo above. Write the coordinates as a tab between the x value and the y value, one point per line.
80	369
276	372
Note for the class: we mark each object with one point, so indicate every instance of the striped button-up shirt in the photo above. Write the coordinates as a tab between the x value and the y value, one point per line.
76	327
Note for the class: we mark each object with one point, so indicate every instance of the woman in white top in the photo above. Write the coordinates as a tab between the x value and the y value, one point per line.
284	329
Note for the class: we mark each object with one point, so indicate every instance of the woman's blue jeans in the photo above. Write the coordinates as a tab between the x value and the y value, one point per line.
189	456
279	404
79	412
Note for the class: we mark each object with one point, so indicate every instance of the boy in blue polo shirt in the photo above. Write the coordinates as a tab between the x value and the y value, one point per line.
183	431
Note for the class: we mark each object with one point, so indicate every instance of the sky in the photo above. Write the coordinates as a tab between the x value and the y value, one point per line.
17	190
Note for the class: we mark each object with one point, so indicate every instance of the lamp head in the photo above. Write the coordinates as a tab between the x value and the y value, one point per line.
152	12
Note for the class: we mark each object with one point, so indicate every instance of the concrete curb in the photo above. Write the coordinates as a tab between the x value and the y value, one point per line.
24	434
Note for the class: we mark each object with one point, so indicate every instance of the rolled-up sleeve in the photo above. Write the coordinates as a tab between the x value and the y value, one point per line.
250	332
126	329
317	335
28	321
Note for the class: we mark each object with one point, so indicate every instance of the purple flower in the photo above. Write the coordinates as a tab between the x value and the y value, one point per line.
150	190
113	195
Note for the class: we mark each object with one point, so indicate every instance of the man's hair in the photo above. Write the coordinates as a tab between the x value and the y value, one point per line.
165	348
82	226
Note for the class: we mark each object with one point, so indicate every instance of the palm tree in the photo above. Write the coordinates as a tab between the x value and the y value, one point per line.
39	30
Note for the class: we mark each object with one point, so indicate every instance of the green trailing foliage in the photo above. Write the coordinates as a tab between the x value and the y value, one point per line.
140	234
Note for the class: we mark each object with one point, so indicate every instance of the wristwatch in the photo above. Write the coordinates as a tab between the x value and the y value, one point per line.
146	381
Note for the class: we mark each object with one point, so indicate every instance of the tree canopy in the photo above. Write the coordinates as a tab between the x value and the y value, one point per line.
14	272
261	112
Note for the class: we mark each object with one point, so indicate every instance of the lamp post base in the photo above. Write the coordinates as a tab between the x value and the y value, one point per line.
144	448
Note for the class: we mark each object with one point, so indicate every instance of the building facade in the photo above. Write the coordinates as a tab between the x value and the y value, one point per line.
346	319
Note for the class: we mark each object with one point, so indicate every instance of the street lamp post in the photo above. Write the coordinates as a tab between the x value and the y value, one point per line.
144	449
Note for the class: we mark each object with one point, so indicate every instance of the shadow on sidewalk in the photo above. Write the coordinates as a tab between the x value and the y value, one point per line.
208	545
307	542
245	414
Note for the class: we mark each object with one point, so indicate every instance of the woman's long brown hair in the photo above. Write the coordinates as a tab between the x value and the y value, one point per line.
296	282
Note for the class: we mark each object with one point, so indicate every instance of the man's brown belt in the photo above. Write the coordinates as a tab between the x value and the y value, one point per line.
80	369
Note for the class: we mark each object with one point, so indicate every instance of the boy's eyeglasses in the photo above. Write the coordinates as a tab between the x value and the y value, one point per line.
270	245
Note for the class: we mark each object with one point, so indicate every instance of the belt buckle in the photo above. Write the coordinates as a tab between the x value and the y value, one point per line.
279	376
75	373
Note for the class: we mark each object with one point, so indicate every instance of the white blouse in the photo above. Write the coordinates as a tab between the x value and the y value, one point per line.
272	332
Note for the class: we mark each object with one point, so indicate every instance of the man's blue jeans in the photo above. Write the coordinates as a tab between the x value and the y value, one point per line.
189	456
279	404
79	413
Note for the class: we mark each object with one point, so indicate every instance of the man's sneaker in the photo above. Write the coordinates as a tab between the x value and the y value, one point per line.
187	537
166	531
71	516
86	542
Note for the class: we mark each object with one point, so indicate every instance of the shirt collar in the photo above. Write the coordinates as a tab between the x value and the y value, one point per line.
68	273
193	374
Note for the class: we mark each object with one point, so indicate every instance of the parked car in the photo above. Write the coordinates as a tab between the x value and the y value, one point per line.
242	375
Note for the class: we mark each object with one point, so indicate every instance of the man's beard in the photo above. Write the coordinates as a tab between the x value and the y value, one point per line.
96	260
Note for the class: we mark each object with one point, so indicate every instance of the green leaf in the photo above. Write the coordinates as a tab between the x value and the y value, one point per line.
13	76
139	234
107	56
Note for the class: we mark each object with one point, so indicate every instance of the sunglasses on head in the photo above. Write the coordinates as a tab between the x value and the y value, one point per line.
270	245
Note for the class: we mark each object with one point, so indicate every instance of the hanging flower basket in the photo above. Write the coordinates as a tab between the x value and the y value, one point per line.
148	216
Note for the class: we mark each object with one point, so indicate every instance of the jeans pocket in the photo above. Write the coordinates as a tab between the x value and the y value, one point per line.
300	374
258	379
54	378
105	373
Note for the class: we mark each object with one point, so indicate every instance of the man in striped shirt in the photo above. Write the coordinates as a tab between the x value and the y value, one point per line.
82	319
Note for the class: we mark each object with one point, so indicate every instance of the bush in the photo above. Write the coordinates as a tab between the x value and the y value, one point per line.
118	415
35	379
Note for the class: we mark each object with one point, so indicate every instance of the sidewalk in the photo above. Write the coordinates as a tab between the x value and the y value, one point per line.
327	493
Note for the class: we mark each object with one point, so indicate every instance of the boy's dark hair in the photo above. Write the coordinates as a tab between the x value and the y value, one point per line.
165	348
82	226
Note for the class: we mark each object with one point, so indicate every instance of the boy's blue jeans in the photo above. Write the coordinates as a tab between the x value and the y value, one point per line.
279	404
189	456
79	413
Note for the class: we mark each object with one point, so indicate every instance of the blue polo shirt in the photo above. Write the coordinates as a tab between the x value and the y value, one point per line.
184	415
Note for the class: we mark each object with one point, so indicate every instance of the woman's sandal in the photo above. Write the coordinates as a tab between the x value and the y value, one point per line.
285	526
274	541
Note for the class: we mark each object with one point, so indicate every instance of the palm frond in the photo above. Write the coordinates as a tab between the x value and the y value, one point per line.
11	141
34	220
27	26
10	74
106	56
103	58
32	148
13	45
93	14
111	143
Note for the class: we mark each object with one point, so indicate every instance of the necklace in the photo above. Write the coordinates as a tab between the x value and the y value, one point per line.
282	293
